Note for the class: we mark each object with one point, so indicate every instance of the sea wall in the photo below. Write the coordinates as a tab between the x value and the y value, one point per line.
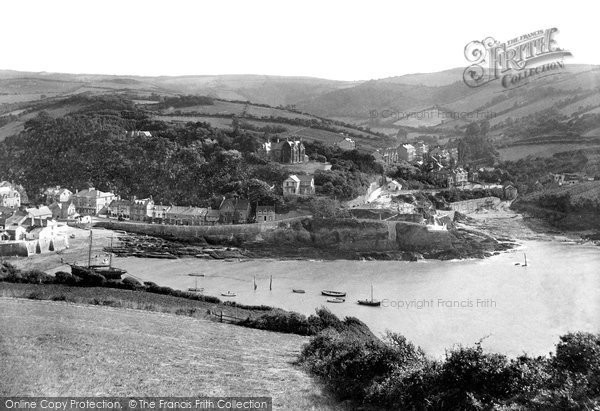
224	232
469	206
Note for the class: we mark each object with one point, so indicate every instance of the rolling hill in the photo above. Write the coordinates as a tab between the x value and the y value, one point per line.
423	103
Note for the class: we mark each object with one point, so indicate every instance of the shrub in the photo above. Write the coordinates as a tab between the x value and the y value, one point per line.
35	276
35	296
131	283
281	321
93	279
62	277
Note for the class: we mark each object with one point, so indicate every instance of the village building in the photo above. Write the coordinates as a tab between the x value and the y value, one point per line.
234	211
57	194
212	217
346	143
265	213
286	152
63	210
120	208
16	233
138	133
141	209
393	185
458	177
10	196
299	185
406	152
92	201
510	192
390	155
181	215
421	150
38	216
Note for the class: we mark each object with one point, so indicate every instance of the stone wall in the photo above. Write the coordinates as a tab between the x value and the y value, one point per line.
470	206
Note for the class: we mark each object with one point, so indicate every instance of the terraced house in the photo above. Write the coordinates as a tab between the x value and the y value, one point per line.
234	211
91	201
181	215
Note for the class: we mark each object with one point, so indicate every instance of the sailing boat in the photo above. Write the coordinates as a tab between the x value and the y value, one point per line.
525	263
371	302
255	286
196	289
271	284
107	271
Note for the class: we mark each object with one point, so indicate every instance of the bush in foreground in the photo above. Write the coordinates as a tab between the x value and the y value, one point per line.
393	373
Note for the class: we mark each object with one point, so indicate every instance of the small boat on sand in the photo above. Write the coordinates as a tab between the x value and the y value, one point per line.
228	294
331	293
336	300
298	290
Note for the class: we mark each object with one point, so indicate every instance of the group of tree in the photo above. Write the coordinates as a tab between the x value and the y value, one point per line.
190	164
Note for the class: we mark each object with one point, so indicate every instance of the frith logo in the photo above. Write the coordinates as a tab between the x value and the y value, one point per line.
514	60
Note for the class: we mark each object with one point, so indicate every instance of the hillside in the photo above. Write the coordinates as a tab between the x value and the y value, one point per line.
437	104
54	348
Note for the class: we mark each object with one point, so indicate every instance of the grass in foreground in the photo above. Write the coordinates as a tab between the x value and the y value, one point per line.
52	348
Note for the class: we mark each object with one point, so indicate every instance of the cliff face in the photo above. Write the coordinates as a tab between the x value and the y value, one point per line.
325	238
345	238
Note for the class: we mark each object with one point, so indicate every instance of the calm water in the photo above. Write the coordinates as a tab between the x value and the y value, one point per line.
516	309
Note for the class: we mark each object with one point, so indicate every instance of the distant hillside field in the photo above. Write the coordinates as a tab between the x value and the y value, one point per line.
59	349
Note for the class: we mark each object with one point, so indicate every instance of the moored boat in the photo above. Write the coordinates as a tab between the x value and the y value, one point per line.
370	302
196	290
336	300
107	271
228	294
331	293
298	290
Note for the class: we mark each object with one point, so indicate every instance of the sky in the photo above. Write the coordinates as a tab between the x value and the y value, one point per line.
342	40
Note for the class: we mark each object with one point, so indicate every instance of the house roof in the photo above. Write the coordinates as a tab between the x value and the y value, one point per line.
306	178
178	209
293	177
213	213
236	203
196	211
116	203
38	212
16	219
265	208
92	192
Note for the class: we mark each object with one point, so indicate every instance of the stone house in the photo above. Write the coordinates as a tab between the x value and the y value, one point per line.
265	213
346	143
91	201
287	152
234	211
63	210
299	185
120	208
406	152
9	195
141	209
179	215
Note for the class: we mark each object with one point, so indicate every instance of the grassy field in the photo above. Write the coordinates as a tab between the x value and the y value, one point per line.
514	153
60	349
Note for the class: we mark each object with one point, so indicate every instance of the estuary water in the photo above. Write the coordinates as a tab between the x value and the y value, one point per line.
435	304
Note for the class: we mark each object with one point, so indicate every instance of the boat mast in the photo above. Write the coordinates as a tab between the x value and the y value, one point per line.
90	250
110	254
371	292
